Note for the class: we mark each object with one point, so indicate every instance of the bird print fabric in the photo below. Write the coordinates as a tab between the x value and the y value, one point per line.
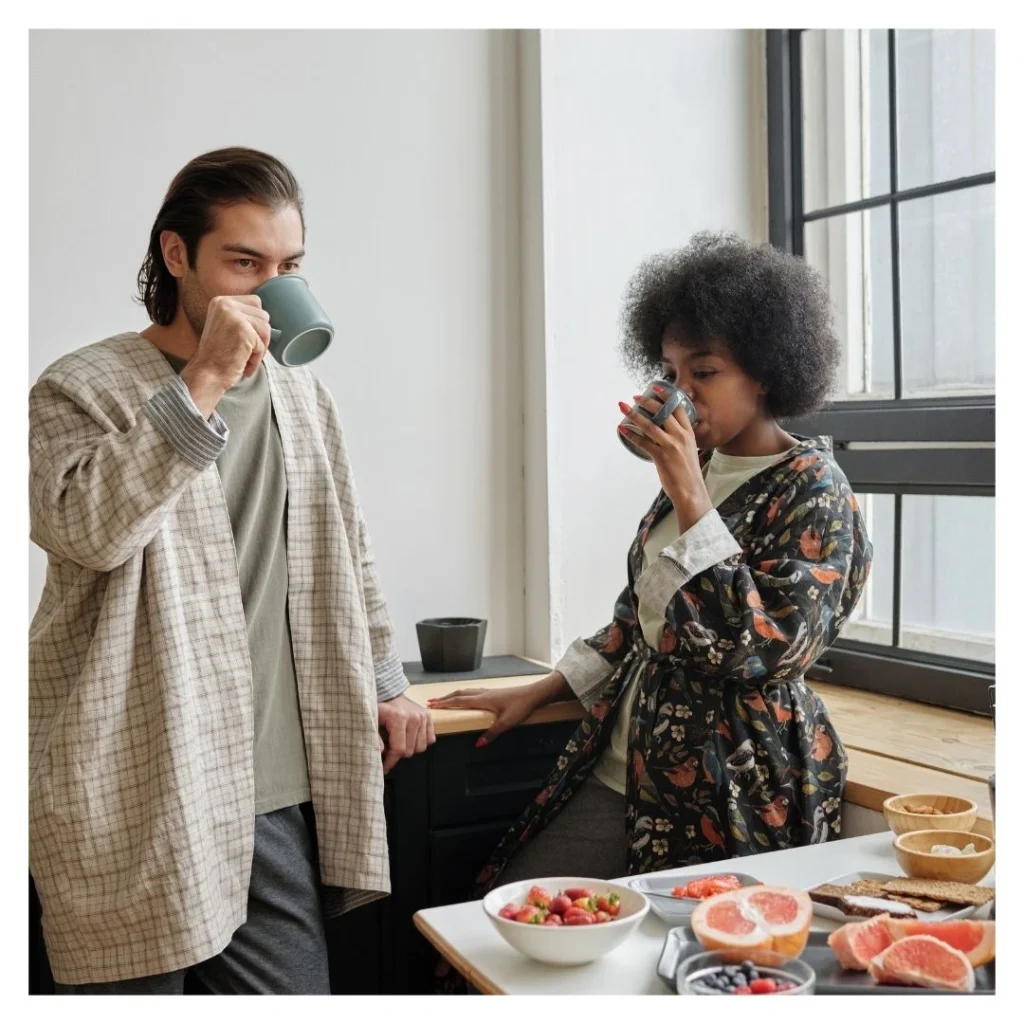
730	751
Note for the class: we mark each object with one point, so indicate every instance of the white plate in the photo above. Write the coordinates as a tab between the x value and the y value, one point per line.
951	913
671	909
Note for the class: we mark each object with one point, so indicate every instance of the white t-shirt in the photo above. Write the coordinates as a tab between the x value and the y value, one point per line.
722	476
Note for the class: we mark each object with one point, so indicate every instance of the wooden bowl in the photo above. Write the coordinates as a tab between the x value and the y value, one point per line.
955	813
913	853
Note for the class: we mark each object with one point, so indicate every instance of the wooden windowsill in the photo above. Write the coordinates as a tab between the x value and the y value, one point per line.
894	746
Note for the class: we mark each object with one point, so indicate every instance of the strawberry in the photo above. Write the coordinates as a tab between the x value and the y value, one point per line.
552	920
560	904
578	893
529	915
509	911
601	916
609	903
588	903
577	915
539	897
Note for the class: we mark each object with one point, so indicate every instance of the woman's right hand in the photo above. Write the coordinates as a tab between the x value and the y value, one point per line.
510	705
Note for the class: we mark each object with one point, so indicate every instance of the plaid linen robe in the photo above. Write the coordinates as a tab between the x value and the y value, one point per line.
141	791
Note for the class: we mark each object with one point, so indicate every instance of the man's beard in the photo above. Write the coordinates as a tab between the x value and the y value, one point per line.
194	303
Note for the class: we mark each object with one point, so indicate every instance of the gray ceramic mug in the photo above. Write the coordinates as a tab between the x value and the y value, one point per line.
672	397
300	331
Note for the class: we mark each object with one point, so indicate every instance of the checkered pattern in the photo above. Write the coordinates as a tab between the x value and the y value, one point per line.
140	706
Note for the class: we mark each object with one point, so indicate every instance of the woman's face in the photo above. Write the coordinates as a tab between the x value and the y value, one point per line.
727	401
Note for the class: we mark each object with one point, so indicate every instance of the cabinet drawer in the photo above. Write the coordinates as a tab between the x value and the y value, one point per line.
496	782
457	854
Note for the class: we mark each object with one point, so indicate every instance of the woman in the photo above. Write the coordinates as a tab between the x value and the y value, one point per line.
702	741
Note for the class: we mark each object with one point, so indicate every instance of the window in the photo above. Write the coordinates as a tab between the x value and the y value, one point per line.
882	176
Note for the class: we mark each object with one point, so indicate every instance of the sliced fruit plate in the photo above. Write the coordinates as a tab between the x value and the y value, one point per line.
865	900
831	978
678	909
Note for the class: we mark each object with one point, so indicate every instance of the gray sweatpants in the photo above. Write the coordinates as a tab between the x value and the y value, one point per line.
588	838
281	948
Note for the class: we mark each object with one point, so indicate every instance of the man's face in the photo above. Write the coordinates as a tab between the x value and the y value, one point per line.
249	244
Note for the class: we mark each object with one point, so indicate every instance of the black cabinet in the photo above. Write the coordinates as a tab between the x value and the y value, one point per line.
446	811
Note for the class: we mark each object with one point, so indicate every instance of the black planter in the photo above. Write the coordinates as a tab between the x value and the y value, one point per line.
451	645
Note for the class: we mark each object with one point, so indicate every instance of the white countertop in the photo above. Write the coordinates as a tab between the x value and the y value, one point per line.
631	969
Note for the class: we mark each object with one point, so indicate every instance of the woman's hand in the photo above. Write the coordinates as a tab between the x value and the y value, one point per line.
673	448
510	706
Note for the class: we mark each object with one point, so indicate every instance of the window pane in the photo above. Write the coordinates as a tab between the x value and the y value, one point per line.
949	584
845	102
947	288
871	621
945	84
854	254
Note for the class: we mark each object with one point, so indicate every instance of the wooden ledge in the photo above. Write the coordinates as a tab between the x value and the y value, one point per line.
894	746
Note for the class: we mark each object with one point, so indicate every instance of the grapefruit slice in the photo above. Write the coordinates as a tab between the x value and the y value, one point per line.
975	939
756	917
858	943
924	961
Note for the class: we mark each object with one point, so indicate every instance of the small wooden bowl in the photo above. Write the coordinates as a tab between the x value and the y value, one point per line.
955	813
913	853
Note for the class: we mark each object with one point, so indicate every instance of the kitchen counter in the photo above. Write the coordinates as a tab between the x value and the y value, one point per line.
467	939
894	746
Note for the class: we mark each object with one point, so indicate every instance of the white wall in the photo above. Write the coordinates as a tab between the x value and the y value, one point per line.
406	146
648	137
476	203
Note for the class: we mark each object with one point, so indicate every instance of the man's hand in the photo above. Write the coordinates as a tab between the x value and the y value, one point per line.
408	728
235	338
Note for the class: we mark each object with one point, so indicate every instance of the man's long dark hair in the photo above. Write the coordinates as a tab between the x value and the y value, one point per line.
220	178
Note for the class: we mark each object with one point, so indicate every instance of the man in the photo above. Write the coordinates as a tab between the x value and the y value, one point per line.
212	665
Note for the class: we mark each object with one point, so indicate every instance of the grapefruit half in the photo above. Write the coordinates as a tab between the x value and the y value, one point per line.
756	917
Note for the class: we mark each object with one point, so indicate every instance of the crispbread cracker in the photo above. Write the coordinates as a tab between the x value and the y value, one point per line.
947	892
830	895
872	887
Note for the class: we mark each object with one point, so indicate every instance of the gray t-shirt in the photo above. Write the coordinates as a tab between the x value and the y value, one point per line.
253	475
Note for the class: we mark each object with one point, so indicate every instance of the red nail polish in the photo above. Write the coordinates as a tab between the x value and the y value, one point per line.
481	742
623	429
638	398
623	407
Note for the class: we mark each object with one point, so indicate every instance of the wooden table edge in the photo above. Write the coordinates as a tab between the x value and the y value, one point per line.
474	977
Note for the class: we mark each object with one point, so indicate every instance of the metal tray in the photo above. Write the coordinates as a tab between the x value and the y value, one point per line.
670	908
831	980
949	913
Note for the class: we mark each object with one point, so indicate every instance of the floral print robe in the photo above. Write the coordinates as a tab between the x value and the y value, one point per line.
730	752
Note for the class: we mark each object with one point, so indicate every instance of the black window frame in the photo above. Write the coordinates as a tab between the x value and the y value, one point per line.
900	672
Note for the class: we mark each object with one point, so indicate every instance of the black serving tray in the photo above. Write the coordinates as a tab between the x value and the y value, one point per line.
832	980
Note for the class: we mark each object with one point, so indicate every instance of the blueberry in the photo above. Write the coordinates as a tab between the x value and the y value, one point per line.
753	974
747	965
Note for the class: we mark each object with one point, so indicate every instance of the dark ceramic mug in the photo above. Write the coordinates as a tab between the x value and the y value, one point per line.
300	330
672	397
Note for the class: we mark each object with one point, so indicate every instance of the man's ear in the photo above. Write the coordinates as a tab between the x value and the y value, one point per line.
174	252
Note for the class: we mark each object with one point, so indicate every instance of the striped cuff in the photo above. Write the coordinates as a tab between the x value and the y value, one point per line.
704	544
390	678
585	671
174	414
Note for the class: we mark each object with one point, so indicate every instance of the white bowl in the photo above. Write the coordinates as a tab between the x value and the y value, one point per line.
568	944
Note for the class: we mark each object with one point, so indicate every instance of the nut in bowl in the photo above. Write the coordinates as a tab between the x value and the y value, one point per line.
914	812
914	851
581	934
